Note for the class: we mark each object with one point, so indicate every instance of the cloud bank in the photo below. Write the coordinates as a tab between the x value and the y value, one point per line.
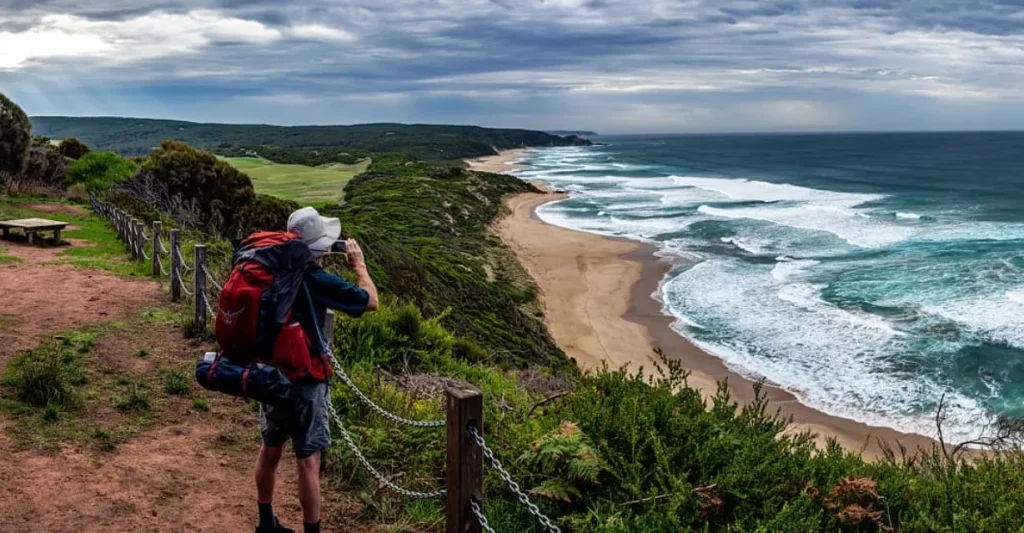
609	65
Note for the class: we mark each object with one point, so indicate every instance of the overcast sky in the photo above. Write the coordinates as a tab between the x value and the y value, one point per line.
607	65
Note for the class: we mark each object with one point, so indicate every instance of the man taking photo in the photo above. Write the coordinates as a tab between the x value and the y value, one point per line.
306	422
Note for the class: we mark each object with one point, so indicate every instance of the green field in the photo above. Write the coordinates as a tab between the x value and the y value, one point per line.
306	185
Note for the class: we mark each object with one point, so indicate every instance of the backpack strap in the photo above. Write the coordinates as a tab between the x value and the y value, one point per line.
316	323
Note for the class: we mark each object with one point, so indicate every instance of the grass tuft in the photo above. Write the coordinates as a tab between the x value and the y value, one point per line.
176	383
47	376
134	400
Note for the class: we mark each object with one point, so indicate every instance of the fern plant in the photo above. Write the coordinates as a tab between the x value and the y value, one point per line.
566	463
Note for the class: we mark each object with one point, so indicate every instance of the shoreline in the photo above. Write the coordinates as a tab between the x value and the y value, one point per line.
622	323
498	164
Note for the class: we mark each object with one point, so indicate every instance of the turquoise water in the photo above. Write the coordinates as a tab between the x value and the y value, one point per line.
870	274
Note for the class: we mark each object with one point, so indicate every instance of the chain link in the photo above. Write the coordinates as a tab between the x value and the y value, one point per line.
373	471
376	408
512	485
184	264
181	284
209	277
475	507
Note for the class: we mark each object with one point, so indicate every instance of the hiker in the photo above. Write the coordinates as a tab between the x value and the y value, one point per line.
306	422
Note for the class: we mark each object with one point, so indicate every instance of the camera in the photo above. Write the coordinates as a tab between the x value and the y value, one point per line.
339	247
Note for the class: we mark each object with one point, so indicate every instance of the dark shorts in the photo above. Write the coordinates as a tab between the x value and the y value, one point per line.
305	422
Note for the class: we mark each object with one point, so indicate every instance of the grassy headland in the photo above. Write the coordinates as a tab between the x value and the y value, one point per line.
304	184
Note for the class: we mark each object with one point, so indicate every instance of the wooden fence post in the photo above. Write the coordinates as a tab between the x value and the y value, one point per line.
329	329
465	479
134	237
200	288
175	265
119	224
140	241
158	228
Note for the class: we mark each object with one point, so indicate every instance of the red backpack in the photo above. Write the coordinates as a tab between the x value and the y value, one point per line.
254	311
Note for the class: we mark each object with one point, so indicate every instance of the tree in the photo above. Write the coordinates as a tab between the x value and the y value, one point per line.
43	172
15	136
73	148
220	191
100	170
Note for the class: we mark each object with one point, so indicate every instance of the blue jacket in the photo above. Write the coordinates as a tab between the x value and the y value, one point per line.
328	292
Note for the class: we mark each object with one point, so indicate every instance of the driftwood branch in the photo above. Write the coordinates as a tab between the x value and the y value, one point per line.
546	401
700	490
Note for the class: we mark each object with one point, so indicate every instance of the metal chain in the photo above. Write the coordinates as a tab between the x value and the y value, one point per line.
209	278
376	408
181	260
475	507
373	471
181	283
507	478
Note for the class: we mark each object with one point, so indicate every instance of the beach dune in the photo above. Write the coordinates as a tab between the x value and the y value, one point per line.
598	297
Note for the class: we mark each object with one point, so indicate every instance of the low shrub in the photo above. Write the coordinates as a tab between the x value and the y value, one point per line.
99	171
200	404
72	148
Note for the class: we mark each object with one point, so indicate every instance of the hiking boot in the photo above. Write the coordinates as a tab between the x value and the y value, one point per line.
276	528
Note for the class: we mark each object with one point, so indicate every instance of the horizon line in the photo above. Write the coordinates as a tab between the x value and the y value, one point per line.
563	129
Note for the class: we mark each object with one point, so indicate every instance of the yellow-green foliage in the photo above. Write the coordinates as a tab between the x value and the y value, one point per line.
617	453
301	183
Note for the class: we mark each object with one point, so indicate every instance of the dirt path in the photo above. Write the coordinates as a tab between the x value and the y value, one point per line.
41	298
187	470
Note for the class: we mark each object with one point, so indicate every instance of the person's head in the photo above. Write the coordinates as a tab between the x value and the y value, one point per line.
317	232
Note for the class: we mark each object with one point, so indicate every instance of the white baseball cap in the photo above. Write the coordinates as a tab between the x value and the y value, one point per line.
317	232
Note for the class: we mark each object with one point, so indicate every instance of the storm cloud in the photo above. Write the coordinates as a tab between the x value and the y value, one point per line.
609	65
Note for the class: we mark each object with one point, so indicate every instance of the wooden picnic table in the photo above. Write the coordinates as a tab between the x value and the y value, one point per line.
31	226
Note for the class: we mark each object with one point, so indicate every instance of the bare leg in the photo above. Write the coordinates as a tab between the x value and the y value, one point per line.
309	488
266	473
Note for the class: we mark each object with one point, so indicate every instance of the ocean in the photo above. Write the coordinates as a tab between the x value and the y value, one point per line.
869	274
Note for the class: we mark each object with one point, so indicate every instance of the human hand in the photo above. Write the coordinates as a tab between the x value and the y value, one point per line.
354	254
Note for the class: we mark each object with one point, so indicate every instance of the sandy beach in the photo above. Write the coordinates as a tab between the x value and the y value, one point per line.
597	295
501	163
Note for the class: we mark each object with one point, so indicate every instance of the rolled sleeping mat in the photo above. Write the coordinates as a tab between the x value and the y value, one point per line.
256	381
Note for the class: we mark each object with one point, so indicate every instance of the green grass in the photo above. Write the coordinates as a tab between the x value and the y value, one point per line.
303	184
104	250
4	258
176	382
